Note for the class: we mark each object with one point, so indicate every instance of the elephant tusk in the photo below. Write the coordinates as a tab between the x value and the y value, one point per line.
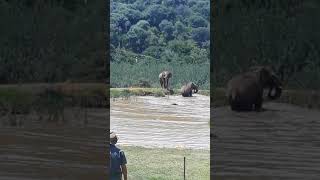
277	94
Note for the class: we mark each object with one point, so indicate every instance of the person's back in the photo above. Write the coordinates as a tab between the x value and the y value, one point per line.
117	160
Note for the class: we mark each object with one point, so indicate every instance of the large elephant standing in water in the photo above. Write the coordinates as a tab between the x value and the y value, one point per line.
245	91
186	90
164	79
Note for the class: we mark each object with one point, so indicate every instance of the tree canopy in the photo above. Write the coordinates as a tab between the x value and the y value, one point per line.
53	41
156	27
280	33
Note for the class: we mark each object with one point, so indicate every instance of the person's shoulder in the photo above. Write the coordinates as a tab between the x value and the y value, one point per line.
114	148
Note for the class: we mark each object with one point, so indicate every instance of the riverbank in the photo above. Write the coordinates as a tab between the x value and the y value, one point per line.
303	98
157	92
23	98
164	163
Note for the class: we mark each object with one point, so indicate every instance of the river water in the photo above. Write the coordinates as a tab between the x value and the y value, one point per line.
170	122
73	151
282	142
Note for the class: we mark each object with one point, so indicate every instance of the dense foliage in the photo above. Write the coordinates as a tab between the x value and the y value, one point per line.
282	33
52	40
164	34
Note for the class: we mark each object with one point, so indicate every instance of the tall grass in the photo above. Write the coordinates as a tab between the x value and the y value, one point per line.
126	74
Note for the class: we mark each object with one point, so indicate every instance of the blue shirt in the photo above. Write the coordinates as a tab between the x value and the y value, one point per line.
117	158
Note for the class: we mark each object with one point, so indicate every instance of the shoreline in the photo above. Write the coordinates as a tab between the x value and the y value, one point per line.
309	99
156	92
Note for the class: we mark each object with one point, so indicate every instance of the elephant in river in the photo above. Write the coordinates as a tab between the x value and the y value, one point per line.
186	90
245	91
164	77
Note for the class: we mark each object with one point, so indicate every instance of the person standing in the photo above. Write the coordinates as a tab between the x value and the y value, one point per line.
118	160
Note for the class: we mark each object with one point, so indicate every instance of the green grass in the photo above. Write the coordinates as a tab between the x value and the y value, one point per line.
166	164
125	75
157	92
126	92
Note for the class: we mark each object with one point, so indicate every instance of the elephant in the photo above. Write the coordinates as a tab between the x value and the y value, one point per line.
186	90
164	77
245	91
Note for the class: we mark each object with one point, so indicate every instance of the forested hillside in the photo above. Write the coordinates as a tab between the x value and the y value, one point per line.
52	41
282	33
150	36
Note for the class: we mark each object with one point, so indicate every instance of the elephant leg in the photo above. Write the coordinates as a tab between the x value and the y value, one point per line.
258	104
163	83
240	105
234	107
167	83
233	104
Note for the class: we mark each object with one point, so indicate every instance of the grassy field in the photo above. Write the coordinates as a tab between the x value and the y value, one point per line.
166	164
126	75
126	92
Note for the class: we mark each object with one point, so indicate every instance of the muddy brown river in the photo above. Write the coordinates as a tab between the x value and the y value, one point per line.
280	143
170	122
73	151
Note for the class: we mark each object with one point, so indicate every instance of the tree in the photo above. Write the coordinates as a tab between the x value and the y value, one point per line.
198	21
128	11
202	8
156	13
143	24
180	30
120	22
167	28
183	11
137	39
154	51
200	35
174	3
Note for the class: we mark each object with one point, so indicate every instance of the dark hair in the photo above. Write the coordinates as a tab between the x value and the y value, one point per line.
113	138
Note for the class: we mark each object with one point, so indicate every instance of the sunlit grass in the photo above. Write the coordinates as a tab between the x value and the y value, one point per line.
166	164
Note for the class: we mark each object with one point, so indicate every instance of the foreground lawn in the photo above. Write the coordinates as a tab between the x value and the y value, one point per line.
166	164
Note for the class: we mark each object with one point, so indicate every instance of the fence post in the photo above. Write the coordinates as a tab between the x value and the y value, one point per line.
184	168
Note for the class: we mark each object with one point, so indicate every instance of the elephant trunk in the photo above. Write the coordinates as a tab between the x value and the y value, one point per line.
196	90
274	95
